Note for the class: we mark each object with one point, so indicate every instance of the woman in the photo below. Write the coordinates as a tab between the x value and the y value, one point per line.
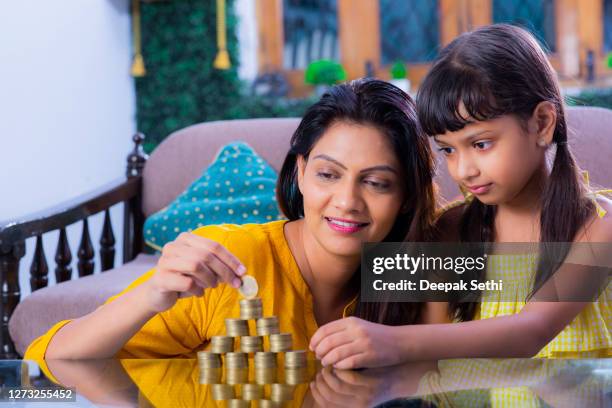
359	170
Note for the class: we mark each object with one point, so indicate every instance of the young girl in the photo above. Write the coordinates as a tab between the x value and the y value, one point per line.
492	104
346	180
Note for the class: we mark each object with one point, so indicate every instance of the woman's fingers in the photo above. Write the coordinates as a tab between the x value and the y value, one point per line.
221	270
202	264
185	286
220	252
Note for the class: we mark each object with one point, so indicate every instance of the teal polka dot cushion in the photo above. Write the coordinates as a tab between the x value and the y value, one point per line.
237	188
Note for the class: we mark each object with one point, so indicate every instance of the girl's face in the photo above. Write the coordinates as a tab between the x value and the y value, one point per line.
495	159
352	188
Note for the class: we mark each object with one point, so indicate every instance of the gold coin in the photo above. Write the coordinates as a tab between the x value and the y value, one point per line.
265	359
222	392
249	287
238	403
280	342
236	375
296	375
295	358
237	327
281	392
236	360
221	344
252	392
265	375
251	303
210	375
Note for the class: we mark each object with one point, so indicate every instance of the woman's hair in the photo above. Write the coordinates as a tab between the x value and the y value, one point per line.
502	70
387	108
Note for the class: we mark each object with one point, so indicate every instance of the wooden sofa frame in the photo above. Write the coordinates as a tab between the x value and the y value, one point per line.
13	234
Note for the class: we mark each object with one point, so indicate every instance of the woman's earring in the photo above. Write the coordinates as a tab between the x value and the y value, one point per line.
541	143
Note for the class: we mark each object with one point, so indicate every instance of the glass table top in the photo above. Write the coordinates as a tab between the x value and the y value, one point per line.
183	383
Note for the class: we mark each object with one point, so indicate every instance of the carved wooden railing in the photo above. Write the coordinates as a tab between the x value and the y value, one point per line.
13	234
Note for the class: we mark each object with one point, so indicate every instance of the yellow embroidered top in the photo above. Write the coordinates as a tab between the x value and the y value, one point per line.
187	327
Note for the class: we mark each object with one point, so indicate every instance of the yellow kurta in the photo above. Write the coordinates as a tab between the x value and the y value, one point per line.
188	326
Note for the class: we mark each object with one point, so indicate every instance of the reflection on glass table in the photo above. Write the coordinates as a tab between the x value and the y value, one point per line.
445	383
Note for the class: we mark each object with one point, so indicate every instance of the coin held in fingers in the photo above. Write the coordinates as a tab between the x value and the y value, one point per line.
249	287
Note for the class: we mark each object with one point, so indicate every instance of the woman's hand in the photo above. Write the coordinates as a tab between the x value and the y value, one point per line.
356	343
187	266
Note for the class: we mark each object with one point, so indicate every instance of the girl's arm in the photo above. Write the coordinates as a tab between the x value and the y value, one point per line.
187	266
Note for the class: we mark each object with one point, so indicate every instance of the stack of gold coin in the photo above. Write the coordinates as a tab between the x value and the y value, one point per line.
222	392
206	359
266	403
236	375
280	342
251	344
237	327
296	358
265	359
236	360
265	375
251	392
221	344
296	376
210	375
267	325
251	308
281	392
238	403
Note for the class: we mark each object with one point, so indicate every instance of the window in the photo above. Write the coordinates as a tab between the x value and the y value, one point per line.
311	32
607	25
409	30
538	16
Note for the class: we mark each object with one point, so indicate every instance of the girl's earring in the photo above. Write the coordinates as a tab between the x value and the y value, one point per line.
541	143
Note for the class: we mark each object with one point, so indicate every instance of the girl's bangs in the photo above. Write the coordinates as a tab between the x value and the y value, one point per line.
459	97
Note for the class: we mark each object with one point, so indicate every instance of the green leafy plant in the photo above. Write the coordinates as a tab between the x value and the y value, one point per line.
324	72
398	70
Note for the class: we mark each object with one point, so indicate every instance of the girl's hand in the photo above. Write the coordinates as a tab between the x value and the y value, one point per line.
356	343
187	266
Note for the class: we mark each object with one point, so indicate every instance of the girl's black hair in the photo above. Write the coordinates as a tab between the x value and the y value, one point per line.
390	110
493	71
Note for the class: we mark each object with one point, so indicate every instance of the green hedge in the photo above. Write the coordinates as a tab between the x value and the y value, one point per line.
181	86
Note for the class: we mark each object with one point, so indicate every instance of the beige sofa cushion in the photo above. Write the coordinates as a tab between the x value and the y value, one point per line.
68	300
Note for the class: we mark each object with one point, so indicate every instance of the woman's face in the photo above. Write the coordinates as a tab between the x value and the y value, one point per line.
495	159
352	188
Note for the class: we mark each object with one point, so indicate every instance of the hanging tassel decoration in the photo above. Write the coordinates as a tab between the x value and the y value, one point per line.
138	67
222	60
